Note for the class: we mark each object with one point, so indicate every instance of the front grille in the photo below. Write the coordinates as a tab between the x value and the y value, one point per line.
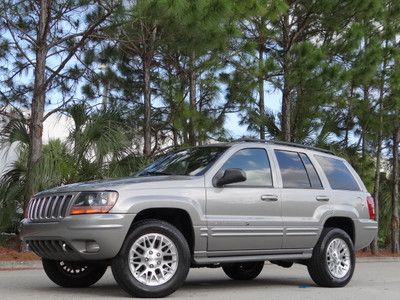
52	249
49	207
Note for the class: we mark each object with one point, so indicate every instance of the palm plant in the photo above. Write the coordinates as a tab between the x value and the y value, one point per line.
12	182
385	198
100	145
101	140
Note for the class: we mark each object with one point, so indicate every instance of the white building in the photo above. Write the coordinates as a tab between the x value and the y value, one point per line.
55	126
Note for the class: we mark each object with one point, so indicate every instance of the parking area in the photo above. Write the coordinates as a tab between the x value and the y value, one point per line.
372	280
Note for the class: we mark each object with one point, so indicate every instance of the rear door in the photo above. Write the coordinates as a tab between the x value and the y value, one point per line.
305	202
245	215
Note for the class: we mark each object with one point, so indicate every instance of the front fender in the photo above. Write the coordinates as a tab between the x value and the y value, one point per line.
194	208
190	200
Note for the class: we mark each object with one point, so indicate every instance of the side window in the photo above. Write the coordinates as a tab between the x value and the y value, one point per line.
293	172
311	172
339	176
254	162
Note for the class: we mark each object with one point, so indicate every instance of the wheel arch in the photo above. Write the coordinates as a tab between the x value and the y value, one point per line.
177	217
344	223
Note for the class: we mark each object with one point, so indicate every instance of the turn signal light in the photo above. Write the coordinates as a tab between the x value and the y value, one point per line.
94	202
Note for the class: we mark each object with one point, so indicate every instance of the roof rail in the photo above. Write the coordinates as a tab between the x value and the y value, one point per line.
275	142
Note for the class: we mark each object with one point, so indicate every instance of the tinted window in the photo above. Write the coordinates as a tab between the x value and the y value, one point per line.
312	173
194	161
254	162
292	169
338	174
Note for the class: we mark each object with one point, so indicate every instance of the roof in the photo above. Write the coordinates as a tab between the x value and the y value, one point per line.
282	143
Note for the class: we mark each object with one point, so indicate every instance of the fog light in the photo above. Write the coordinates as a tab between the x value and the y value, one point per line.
92	247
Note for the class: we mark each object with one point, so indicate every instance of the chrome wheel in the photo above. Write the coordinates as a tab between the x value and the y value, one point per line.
153	259
338	258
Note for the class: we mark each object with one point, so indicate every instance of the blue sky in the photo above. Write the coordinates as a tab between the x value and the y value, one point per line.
273	102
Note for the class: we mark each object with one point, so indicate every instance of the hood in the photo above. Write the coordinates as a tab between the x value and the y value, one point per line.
127	182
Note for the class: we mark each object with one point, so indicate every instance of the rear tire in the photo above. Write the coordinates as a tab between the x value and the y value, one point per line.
73	274
243	270
333	260
154	260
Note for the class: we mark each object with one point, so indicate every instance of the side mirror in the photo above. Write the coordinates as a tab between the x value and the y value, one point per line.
230	176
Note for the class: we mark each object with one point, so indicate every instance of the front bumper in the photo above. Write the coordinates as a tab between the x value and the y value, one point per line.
80	237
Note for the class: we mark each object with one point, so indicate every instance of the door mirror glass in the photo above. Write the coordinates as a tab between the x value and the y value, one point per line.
230	176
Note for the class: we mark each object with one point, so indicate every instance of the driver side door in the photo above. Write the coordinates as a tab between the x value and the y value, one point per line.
245	215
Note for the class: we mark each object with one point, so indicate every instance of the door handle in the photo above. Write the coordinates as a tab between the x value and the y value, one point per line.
322	198
269	198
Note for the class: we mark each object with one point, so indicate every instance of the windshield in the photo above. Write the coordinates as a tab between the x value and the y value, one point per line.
194	162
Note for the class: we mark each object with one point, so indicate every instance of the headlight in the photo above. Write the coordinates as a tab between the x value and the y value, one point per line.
94	203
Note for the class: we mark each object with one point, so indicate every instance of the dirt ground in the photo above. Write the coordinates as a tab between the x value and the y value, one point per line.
382	253
12	254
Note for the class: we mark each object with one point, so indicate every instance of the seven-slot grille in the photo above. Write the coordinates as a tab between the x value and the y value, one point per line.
49	207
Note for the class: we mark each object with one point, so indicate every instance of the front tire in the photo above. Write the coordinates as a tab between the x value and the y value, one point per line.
333	260
243	270
73	274
154	260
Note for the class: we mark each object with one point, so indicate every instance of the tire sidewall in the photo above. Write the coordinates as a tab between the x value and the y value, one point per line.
55	273
121	262
329	236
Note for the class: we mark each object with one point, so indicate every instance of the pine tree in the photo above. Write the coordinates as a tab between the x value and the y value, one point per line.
322	22
196	36
253	66
42	48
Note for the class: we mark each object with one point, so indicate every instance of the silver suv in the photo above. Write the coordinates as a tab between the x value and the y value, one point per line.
233	205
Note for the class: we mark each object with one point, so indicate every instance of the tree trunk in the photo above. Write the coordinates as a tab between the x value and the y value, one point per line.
173	117
175	136
377	183
349	115
364	126
377	179
395	195
192	100
147	108
38	101
261	102
286	101
363	139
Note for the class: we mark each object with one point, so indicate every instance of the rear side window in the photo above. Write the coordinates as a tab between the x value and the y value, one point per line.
297	170
254	162
311	172
339	176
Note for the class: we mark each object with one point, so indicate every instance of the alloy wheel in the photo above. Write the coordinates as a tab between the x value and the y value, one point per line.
153	259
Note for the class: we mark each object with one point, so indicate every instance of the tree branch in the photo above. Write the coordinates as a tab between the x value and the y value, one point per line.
73	49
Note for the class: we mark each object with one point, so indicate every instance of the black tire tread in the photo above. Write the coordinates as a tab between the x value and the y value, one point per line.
234	271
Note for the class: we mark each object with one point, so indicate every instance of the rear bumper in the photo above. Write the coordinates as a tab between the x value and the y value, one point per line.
81	237
365	231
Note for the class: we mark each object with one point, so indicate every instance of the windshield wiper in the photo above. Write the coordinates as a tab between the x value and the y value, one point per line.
154	173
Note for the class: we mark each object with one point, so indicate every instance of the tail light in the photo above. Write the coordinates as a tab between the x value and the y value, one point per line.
371	207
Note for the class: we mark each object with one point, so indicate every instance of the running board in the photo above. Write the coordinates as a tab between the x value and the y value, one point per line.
242	258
